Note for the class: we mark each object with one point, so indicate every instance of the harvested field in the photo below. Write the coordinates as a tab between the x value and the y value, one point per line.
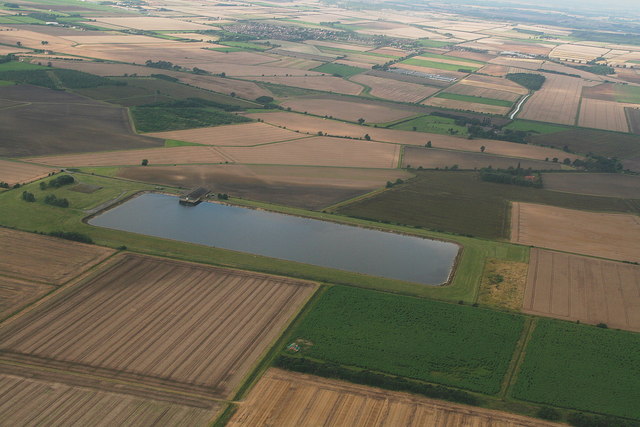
149	23
45	259
556	102
503	284
633	118
28	401
577	53
572	287
613	236
454	104
494	83
339	45
185	326
599	114
300	186
318	151
476	56
155	156
323	83
311	125
428	70
351	110
596	184
494	70
395	90
406	78
17	172
431	158
285	398
15	294
482	92
53	122
507	61
241	135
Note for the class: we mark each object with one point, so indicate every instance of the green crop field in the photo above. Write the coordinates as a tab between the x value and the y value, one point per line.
582	367
610	144
460	202
433	43
339	69
439	65
474	99
246	45
626	93
160	119
19	66
450	344
431	124
535	127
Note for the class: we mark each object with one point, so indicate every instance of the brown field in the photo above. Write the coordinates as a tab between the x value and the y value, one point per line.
604	91
596	184
453	104
17	172
152	23
55	122
431	158
612	236
476	56
29	401
339	45
283	398
395	90
296	63
240	135
549	65
483	92
556	102
182	326
494	70
15	294
599	114
319	151
351	110
155	156
312	125
323	83
428	70
633	117
530	64
489	82
578	53
497	45
45	259
629	75
306	187
390	51
462	63
590	290
503	284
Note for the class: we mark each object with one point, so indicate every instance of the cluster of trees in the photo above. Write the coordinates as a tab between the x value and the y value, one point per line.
57	182
223	196
28	197
366	377
4	184
163	65
7	58
393	184
52	200
513	176
584	420
530	81
596	163
72	235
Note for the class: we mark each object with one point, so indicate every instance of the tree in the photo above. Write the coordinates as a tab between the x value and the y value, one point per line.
44	42
482	149
428	144
28	197
232	94
145	162
360	121
367	137
19	44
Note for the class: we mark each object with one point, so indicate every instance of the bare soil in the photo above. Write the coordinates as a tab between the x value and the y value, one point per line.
54	122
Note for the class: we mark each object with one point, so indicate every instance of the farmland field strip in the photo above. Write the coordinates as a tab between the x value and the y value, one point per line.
518	356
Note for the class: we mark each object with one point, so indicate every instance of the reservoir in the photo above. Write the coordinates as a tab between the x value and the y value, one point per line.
287	237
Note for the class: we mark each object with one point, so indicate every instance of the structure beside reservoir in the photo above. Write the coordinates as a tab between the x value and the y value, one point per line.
194	196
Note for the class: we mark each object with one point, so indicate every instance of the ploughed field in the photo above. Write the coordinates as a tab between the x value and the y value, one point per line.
598	184
292	399
54	122
589	290
183	327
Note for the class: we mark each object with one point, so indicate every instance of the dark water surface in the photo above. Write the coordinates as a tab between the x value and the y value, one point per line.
286	237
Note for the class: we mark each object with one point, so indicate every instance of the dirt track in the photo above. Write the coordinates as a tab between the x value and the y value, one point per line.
284	398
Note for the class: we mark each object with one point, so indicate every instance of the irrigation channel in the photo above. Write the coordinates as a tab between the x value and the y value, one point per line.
288	237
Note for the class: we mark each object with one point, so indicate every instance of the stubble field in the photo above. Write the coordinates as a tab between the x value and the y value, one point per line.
161	322
292	399
395	90
29	401
15	294
613	236
597	184
17	172
351	110
590	290
556	102
45	259
599	114
432	158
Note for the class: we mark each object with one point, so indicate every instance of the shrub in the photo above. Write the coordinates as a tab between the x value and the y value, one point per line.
71	235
